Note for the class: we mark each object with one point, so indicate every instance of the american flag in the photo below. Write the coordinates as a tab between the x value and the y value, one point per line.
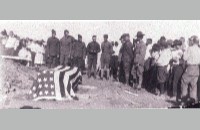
58	83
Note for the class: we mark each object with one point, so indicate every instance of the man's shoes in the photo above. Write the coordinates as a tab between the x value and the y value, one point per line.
75	98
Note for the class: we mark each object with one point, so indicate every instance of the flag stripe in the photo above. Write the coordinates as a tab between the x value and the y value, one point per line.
62	87
56	84
62	79
68	86
76	82
56	81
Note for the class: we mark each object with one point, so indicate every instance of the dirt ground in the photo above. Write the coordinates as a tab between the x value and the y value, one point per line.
17	80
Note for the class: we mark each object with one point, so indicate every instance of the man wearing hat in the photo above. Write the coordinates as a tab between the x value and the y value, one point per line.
177	68
53	50
79	53
93	48
138	62
66	44
107	50
126	56
191	74
121	75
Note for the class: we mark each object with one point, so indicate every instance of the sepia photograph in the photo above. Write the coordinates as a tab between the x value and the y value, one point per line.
99	64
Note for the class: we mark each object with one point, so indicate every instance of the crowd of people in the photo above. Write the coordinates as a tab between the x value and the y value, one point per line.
167	67
31	52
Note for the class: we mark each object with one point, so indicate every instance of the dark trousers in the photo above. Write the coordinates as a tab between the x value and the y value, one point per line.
177	72
127	70
65	60
114	66
152	82
52	61
121	75
79	62
161	78
92	62
147	74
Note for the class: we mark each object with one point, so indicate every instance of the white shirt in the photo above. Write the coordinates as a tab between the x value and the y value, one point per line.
16	44
33	47
4	41
10	42
116	50
25	54
148	54
192	55
165	57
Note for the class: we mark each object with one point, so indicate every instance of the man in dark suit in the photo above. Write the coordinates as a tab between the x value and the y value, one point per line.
138	62
66	44
127	56
107	51
79	53
93	48
53	50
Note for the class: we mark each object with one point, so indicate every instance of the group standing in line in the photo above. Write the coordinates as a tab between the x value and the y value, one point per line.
167	67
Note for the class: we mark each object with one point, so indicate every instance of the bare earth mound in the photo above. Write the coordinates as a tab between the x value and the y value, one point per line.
17	81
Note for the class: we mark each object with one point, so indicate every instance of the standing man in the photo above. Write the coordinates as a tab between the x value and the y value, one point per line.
115	61
79	53
121	74
53	50
106	48
139	60
191	74
93	48
147	64
66	49
163	66
127	56
177	68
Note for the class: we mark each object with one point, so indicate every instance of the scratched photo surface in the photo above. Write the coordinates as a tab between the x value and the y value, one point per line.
99	64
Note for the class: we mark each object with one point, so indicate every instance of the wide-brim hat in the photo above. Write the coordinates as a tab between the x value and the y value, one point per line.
122	36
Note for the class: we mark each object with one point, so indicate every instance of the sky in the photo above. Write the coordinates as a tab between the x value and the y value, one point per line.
41	29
